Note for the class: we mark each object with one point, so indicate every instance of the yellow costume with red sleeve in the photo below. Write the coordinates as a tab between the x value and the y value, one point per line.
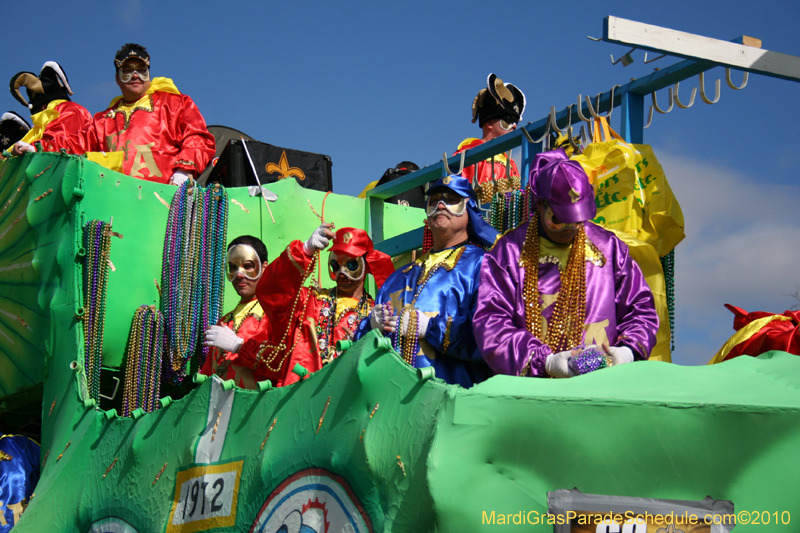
248	322
63	124
160	133
486	189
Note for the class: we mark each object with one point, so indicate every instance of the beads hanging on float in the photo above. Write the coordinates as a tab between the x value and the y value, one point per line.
192	272
96	246
144	353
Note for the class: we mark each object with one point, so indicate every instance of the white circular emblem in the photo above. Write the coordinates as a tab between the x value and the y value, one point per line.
326	312
312	501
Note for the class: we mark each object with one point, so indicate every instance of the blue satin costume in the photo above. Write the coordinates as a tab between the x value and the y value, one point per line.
448	297
19	473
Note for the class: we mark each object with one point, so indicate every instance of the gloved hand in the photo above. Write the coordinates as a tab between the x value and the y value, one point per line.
557	365
22	147
618	354
178	178
382	318
224	338
422	323
318	240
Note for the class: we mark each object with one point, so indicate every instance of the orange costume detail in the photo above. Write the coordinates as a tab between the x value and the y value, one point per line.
248	322
486	189
294	313
160	133
63	124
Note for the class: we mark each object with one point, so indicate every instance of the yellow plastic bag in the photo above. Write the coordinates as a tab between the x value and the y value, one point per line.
646	257
631	192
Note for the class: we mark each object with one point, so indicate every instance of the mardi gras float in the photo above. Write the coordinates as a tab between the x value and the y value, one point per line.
367	443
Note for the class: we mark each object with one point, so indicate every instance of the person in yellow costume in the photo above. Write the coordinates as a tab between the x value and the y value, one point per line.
161	131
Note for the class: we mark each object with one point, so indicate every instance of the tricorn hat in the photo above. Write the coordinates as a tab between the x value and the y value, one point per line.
51	84
12	128
498	100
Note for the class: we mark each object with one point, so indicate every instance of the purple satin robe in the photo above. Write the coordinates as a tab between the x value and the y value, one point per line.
616	292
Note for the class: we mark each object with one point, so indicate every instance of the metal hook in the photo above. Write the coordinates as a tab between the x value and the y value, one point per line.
580	105
444	162
568	129
553	121
527	135
678	100
595	39
730	82
625	58
655	102
702	84
591	109
460	167
649	118
610	102
654	59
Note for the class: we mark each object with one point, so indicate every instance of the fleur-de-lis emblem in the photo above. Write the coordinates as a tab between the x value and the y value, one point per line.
574	195
347	237
284	170
447	180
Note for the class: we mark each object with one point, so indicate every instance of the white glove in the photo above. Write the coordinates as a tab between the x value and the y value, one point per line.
179	177
557	365
223	338
318	240
380	317
21	148
422	323
620	355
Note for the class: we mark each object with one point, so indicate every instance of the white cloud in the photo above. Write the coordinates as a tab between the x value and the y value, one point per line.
740	248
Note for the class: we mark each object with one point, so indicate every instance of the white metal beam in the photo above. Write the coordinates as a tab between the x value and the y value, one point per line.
690	46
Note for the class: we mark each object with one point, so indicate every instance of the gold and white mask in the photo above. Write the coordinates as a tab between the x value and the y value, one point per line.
243	261
353	268
455	204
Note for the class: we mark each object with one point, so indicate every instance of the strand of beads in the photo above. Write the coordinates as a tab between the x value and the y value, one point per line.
192	272
144	354
97	246
410	342
565	327
427	238
668	264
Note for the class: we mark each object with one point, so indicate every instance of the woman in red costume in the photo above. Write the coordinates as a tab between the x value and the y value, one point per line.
235	340
307	322
161	131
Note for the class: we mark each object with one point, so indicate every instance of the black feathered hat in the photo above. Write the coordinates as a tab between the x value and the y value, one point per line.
12	128
51	84
498	100
131	51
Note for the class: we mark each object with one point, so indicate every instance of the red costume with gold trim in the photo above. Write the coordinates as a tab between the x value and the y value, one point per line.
63	124
248	322
306	322
484	168
295	312
160	133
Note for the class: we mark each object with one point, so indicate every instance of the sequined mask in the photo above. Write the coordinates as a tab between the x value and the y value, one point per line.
353	268
243	261
454	204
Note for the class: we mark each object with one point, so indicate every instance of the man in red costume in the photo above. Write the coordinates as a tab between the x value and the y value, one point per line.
161	131
497	109
235	340
58	123
306	322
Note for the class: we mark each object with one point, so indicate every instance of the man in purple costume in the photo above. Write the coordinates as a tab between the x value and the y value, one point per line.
620	316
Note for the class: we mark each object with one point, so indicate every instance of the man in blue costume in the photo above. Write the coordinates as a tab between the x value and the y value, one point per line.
426	307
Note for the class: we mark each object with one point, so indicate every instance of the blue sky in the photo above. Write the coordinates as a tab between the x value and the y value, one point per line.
375	83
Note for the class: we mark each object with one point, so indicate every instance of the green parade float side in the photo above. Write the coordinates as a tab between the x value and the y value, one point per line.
402	450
